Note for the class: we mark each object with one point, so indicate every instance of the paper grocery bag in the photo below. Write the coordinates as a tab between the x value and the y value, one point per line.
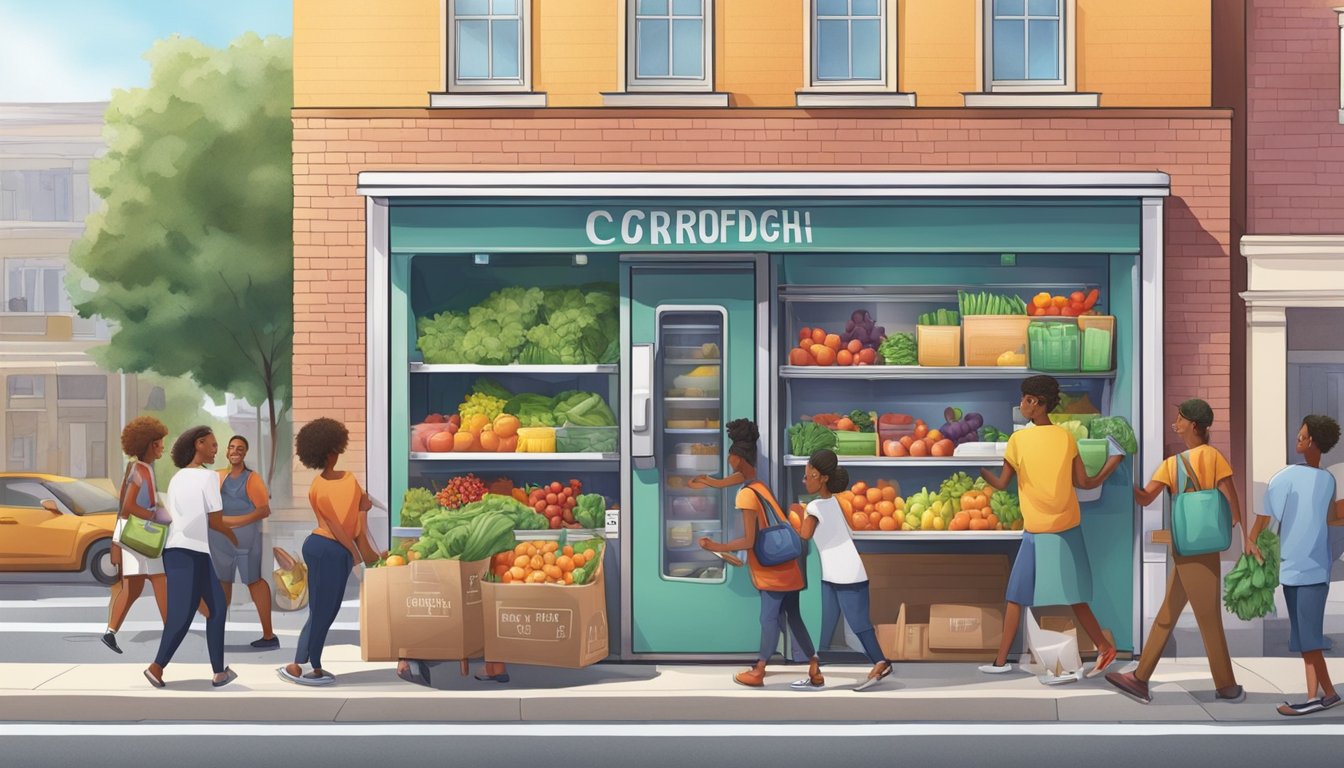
426	609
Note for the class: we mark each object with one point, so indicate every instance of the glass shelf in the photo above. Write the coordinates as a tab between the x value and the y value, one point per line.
507	369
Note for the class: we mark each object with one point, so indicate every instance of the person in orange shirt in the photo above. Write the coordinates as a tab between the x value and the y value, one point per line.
340	539
779	585
1051	567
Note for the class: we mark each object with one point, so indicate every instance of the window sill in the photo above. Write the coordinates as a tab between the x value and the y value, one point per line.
665	99
854	99
523	100
1039	99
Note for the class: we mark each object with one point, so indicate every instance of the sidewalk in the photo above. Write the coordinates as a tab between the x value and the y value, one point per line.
371	693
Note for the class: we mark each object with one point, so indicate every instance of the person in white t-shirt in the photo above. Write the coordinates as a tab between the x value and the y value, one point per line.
844	582
195	507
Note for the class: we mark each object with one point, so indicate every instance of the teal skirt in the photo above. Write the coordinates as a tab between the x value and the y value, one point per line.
1063	573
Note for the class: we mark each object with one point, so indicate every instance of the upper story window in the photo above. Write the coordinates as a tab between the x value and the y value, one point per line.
1030	55
35	285
490	45
848	42
670	45
37	195
1026	42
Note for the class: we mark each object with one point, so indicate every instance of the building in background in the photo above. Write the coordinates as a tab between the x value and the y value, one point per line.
807	87
1294	242
62	413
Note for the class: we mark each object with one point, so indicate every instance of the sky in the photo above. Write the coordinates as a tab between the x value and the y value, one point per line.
79	50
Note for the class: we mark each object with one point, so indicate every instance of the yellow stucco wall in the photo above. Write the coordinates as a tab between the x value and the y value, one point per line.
351	53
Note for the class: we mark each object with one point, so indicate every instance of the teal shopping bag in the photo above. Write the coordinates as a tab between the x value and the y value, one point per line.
1201	521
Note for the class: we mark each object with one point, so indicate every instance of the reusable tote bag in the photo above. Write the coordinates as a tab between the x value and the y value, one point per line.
1201	521
778	542
144	537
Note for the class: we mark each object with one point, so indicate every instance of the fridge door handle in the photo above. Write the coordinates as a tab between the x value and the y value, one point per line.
641	400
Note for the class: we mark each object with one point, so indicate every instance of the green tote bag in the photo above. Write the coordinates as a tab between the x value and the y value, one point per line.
145	537
1201	521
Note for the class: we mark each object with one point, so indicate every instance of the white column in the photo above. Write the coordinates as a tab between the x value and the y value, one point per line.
1266	397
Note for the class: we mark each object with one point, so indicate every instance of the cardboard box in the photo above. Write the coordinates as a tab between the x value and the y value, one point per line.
550	625
426	609
887	640
913	625
907	587
965	627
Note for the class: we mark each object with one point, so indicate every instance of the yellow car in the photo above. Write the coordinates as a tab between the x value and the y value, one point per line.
53	523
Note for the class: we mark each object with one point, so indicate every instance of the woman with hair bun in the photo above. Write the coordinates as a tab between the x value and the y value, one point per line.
780	584
844	582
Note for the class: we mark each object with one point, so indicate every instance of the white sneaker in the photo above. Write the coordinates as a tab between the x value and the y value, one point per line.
805	684
994	669
1050	678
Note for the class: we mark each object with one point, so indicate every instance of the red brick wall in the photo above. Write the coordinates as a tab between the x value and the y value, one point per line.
331	147
1294	138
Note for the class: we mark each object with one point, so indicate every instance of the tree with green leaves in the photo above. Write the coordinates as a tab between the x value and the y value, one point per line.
192	257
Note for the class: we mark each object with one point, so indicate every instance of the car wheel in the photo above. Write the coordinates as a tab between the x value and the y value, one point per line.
98	560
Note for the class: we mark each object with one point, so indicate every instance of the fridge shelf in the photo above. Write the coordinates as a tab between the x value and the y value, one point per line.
505	369
705	431
911	293
871	372
683	327
520	458
686	401
936	535
547	534
693	361
884	461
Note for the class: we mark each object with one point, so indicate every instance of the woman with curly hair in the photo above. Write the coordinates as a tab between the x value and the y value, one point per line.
195	506
340	539
142	439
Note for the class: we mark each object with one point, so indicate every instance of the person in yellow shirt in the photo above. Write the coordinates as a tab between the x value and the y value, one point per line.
1196	578
1051	567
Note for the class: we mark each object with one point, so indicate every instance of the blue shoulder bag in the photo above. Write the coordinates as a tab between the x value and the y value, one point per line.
778	542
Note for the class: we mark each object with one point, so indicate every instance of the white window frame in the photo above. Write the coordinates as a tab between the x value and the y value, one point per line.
1339	13
522	84
1066	83
635	84
887	65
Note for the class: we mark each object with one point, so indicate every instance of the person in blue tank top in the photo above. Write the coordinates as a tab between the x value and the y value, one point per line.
246	504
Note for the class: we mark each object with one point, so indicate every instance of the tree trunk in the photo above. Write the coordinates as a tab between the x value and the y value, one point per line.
275	438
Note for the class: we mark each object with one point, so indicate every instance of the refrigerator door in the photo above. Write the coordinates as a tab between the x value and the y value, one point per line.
699	323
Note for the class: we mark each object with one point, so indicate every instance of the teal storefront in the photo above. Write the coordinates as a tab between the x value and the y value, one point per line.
716	274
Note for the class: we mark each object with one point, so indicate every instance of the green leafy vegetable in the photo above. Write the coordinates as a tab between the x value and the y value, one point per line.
1115	426
590	510
899	349
807	437
1248	589
415	505
863	420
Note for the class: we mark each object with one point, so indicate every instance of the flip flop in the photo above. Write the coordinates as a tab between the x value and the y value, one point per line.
229	677
154	681
872	681
326	678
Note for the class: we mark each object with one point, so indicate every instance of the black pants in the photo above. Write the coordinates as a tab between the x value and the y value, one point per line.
329	565
191	579
777	605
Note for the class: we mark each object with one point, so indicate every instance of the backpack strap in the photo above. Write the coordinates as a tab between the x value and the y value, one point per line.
768	509
1187	472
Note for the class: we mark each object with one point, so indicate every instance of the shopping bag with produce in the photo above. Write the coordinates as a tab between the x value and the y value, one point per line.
291	582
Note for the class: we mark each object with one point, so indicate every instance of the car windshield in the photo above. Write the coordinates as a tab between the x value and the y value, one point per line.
82	498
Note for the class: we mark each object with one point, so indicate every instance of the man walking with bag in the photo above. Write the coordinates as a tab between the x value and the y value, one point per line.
1196	576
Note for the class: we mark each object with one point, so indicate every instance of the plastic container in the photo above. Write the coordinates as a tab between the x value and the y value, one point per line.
887	432
988	337
1093	453
698	385
855	443
939	345
1054	345
572	439
1098	342
536	440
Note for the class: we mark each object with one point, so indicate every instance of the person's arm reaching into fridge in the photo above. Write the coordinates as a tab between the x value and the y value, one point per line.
705	481
747	541
1000	481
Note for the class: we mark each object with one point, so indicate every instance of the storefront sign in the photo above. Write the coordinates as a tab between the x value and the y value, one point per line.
706	226
945	225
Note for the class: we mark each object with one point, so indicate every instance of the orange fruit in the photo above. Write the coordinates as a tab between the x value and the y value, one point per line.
411	554
824	355
844	357
855	346
506	578
799	356
522	561
463	441
847	507
805	334
867	356
565	562
489	440
860	503
888	524
537	562
874	495
550	546
521	549
568	550
548	558
934	435
832	340
860	487
506	425
889	493
919	448
886	508
476	422
818	335
395	560
517	573
874	518
553	572
858	521
569	577
532	550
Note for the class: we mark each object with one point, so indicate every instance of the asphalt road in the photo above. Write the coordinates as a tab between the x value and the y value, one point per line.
740	746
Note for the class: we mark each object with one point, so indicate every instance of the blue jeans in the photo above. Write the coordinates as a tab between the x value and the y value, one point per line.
191	579
329	565
852	601
773	606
